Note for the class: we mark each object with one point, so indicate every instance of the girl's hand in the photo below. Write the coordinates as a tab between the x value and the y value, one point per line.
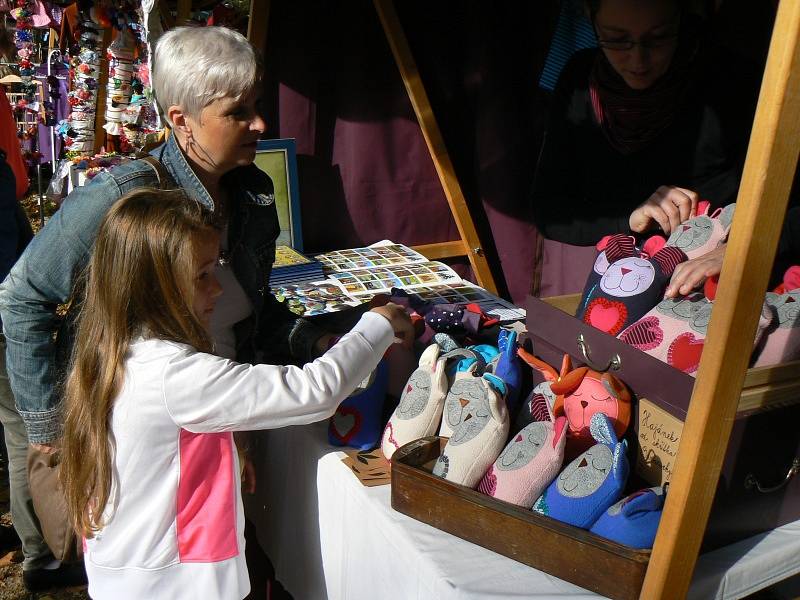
399	320
669	206
692	273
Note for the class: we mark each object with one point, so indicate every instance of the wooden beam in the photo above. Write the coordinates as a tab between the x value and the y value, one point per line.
761	206
166	15
183	12
433	138
442	249
257	24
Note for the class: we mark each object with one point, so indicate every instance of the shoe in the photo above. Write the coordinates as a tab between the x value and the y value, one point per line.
67	575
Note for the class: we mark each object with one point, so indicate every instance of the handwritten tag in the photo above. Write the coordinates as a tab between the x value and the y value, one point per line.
659	438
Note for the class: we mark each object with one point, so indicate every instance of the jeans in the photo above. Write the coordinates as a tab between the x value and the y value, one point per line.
34	548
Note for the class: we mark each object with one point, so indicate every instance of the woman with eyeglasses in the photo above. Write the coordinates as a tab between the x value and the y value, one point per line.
641	128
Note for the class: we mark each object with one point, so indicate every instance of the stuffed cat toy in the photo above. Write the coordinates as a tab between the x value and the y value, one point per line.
703	233
420	408
591	483
528	463
782	343
580	394
633	521
357	420
478	418
624	283
675	331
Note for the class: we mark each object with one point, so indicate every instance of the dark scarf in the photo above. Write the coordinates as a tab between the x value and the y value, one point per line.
632	119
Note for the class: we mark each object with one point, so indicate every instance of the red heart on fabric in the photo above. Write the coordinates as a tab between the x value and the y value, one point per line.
345	423
606	315
684	352
645	334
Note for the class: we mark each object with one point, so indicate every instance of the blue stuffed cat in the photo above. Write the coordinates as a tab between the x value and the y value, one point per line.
592	482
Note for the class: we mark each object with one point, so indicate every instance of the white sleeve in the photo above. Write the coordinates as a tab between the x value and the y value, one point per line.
206	393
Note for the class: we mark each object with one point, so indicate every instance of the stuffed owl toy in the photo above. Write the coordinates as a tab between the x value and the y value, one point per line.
591	483
420	408
528	464
478	421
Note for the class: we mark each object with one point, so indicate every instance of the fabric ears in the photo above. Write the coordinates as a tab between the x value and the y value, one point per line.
507	367
590	483
528	464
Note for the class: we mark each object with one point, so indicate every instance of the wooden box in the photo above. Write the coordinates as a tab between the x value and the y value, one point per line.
765	441
541	542
763	452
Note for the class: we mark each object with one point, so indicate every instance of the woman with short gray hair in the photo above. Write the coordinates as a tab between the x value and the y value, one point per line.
207	82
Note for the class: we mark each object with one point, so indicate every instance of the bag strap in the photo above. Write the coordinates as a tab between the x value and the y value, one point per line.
165	180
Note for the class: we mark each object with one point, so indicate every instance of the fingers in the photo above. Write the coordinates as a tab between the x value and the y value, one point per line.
693	273
694	200
668	206
399	320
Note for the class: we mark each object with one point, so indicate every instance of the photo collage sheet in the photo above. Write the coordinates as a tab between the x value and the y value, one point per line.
355	275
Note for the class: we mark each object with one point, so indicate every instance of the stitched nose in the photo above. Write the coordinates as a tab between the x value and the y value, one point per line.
583	464
463	402
584	403
789	299
625	271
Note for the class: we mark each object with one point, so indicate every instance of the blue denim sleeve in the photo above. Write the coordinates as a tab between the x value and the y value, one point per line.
42	279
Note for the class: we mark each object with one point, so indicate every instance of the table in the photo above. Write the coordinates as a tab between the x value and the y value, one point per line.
330	537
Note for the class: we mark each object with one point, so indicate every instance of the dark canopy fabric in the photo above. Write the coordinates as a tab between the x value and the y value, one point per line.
365	171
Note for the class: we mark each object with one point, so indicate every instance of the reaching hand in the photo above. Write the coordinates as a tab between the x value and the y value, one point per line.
669	206
399	320
690	274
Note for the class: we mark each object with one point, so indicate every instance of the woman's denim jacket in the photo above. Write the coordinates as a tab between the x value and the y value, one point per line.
44	276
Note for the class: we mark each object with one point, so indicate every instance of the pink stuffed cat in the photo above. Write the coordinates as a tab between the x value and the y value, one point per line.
528	464
782	343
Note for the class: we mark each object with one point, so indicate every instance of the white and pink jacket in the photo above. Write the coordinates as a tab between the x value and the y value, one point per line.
175	522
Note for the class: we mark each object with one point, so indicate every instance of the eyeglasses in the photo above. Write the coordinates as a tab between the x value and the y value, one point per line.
653	43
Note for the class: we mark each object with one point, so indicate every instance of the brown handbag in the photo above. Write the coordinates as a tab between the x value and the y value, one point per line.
50	505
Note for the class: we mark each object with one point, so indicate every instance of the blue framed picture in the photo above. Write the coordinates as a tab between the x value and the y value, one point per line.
278	159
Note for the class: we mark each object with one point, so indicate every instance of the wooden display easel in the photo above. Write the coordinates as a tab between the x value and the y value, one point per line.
761	206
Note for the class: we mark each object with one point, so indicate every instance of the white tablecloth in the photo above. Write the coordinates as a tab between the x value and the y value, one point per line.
330	537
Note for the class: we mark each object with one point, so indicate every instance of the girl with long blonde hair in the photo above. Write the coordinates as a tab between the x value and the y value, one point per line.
149	467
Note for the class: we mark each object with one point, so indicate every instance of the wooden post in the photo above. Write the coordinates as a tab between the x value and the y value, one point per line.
257	24
183	12
760	209
472	246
